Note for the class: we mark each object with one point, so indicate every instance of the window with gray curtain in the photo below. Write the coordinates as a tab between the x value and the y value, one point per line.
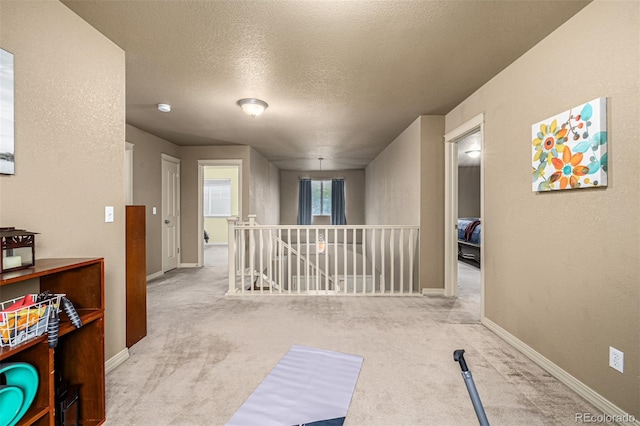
338	207
321	198
304	202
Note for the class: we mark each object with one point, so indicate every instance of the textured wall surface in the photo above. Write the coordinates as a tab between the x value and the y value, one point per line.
469	191
431	201
264	190
70	132
562	268
392	181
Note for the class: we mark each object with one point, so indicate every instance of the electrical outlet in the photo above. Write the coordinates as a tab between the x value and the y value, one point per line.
616	359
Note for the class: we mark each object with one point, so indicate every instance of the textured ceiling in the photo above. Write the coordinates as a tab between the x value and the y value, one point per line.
342	78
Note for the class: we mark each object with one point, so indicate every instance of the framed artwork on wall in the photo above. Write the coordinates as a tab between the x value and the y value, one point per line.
569	150
7	147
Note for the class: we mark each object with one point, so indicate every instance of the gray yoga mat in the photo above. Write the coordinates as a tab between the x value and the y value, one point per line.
307	386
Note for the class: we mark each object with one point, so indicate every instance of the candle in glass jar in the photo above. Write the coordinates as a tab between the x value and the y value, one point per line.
11	262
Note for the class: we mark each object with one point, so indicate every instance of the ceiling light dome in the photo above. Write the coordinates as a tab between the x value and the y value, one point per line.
473	153
164	107
252	106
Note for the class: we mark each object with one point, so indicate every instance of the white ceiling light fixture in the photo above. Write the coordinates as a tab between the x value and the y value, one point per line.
252	106
164	107
473	153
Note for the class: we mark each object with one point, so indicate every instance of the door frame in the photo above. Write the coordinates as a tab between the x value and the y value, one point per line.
171	159
128	173
451	206
201	165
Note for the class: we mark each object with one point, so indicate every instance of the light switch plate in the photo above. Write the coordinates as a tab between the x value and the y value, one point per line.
154	210
108	214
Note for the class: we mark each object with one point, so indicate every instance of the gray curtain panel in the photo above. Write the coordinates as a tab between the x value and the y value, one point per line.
338	214
304	202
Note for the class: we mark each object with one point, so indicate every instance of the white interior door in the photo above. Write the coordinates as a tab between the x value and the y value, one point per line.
170	213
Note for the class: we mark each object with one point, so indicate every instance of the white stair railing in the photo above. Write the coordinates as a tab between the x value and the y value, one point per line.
348	259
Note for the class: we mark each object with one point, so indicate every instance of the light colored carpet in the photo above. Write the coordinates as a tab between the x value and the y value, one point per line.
206	352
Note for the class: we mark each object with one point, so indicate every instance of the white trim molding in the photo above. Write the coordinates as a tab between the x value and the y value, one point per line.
170	158
600	402
462	130
433	291
189	265
116	360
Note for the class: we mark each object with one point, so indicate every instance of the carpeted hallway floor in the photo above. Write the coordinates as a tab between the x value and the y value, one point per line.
206	352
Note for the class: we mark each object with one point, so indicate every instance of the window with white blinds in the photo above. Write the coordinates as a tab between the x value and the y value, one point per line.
217	197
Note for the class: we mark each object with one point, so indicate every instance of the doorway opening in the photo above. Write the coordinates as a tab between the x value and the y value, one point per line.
464	210
219	198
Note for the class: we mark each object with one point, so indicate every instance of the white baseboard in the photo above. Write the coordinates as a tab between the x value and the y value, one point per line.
188	265
600	402
155	275
433	291
116	360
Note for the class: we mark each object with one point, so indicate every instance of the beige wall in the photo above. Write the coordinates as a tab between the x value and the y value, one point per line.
562	272
70	132
217	227
405	186
354	193
192	242
392	181
264	189
432	201
147	187
469	191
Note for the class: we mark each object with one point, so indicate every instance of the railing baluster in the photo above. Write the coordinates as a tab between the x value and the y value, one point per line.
317	263
270	259
280	258
411	255
373	263
355	265
326	261
288	262
382	262
243	259
251	259
335	258
306	263
401	247
344	264
364	261
298	260
260	261
231	254
392	260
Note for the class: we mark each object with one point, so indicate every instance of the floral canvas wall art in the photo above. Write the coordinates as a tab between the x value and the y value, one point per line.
569	150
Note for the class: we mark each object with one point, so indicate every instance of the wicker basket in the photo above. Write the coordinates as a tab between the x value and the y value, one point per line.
19	323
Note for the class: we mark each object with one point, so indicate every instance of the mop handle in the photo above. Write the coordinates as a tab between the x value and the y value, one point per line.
458	356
